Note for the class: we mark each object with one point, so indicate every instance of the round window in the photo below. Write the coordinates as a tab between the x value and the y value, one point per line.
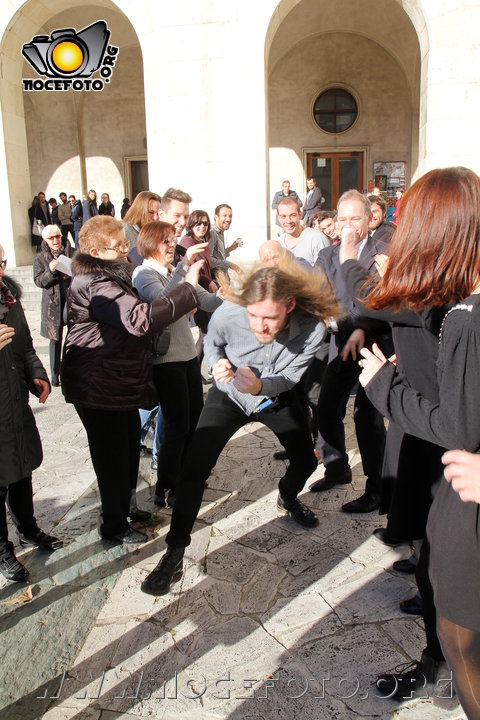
335	110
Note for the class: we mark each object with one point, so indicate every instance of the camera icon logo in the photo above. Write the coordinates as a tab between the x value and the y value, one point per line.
67	53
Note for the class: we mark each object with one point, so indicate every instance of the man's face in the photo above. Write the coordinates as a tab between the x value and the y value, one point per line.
267	318
377	216
177	215
289	217
41	197
351	213
327	226
63	197
54	242
224	219
286	188
311	184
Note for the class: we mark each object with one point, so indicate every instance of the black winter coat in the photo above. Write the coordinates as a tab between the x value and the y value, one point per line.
20	446
53	285
107	361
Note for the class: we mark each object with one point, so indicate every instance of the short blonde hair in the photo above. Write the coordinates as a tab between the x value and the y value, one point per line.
97	232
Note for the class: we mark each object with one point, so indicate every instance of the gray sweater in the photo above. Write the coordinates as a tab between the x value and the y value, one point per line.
151	281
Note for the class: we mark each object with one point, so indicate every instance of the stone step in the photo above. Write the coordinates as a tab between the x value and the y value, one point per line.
31	294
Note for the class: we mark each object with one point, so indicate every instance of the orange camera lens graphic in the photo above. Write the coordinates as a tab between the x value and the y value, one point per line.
67	56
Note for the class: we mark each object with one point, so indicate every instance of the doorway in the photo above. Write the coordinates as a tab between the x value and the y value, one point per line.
335	173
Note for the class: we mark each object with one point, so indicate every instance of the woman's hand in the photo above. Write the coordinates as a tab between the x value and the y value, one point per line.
6	335
372	362
381	263
194	273
463	472
222	371
193	251
43	388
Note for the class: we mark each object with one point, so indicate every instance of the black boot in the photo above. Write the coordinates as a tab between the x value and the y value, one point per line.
429	676
168	571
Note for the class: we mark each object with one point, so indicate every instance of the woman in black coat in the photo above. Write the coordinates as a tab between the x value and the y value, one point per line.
106	207
54	285
35	214
21	372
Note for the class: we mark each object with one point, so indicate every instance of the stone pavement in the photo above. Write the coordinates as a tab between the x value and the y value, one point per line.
269	621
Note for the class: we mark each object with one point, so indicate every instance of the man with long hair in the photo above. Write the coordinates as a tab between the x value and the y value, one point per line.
259	343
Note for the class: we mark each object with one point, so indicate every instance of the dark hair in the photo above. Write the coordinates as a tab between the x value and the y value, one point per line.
151	235
126	200
138	211
379	200
194	218
52	199
434	254
219	207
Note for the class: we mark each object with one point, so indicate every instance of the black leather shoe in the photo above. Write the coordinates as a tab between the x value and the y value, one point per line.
381	534
297	510
41	540
12	569
328	482
364	504
405	566
412	606
168	571
431	677
137	515
128	537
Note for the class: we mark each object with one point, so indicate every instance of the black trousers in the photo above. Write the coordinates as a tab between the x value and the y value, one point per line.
114	442
220	419
339	380
19	498
180	393
55	352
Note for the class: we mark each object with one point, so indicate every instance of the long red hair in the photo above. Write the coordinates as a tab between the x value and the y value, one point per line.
435	252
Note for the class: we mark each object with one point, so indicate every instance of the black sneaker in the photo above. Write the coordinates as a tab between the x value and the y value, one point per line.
12	569
168	571
40	540
297	510
431	677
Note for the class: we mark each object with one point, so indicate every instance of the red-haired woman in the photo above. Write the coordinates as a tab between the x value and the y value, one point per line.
434	261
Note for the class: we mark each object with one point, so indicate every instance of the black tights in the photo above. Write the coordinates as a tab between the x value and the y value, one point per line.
461	648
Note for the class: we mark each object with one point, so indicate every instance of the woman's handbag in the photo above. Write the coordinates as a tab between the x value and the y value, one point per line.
37	227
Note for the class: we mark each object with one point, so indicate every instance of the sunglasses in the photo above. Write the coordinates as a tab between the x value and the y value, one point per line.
202	222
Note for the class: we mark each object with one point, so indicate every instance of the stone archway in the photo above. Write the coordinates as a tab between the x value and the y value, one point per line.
380	56
70	140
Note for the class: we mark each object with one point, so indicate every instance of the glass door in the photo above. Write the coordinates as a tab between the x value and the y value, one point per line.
335	173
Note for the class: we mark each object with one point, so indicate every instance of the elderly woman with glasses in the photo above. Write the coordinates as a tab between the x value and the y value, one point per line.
176	370
107	365
21	372
54	285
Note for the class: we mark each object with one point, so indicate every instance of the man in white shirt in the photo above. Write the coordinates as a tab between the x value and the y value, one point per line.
304	243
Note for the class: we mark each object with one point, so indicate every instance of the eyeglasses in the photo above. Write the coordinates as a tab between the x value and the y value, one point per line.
202	222
117	249
52	237
3	264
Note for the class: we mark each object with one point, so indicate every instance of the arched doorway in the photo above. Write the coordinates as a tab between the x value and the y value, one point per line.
374	57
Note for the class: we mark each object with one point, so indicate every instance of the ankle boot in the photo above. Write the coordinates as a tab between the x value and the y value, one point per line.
168	571
430	677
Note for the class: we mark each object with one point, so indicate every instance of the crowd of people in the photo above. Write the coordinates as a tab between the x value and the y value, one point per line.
342	303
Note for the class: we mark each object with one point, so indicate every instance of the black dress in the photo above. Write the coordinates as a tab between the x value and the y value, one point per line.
452	422
413	465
